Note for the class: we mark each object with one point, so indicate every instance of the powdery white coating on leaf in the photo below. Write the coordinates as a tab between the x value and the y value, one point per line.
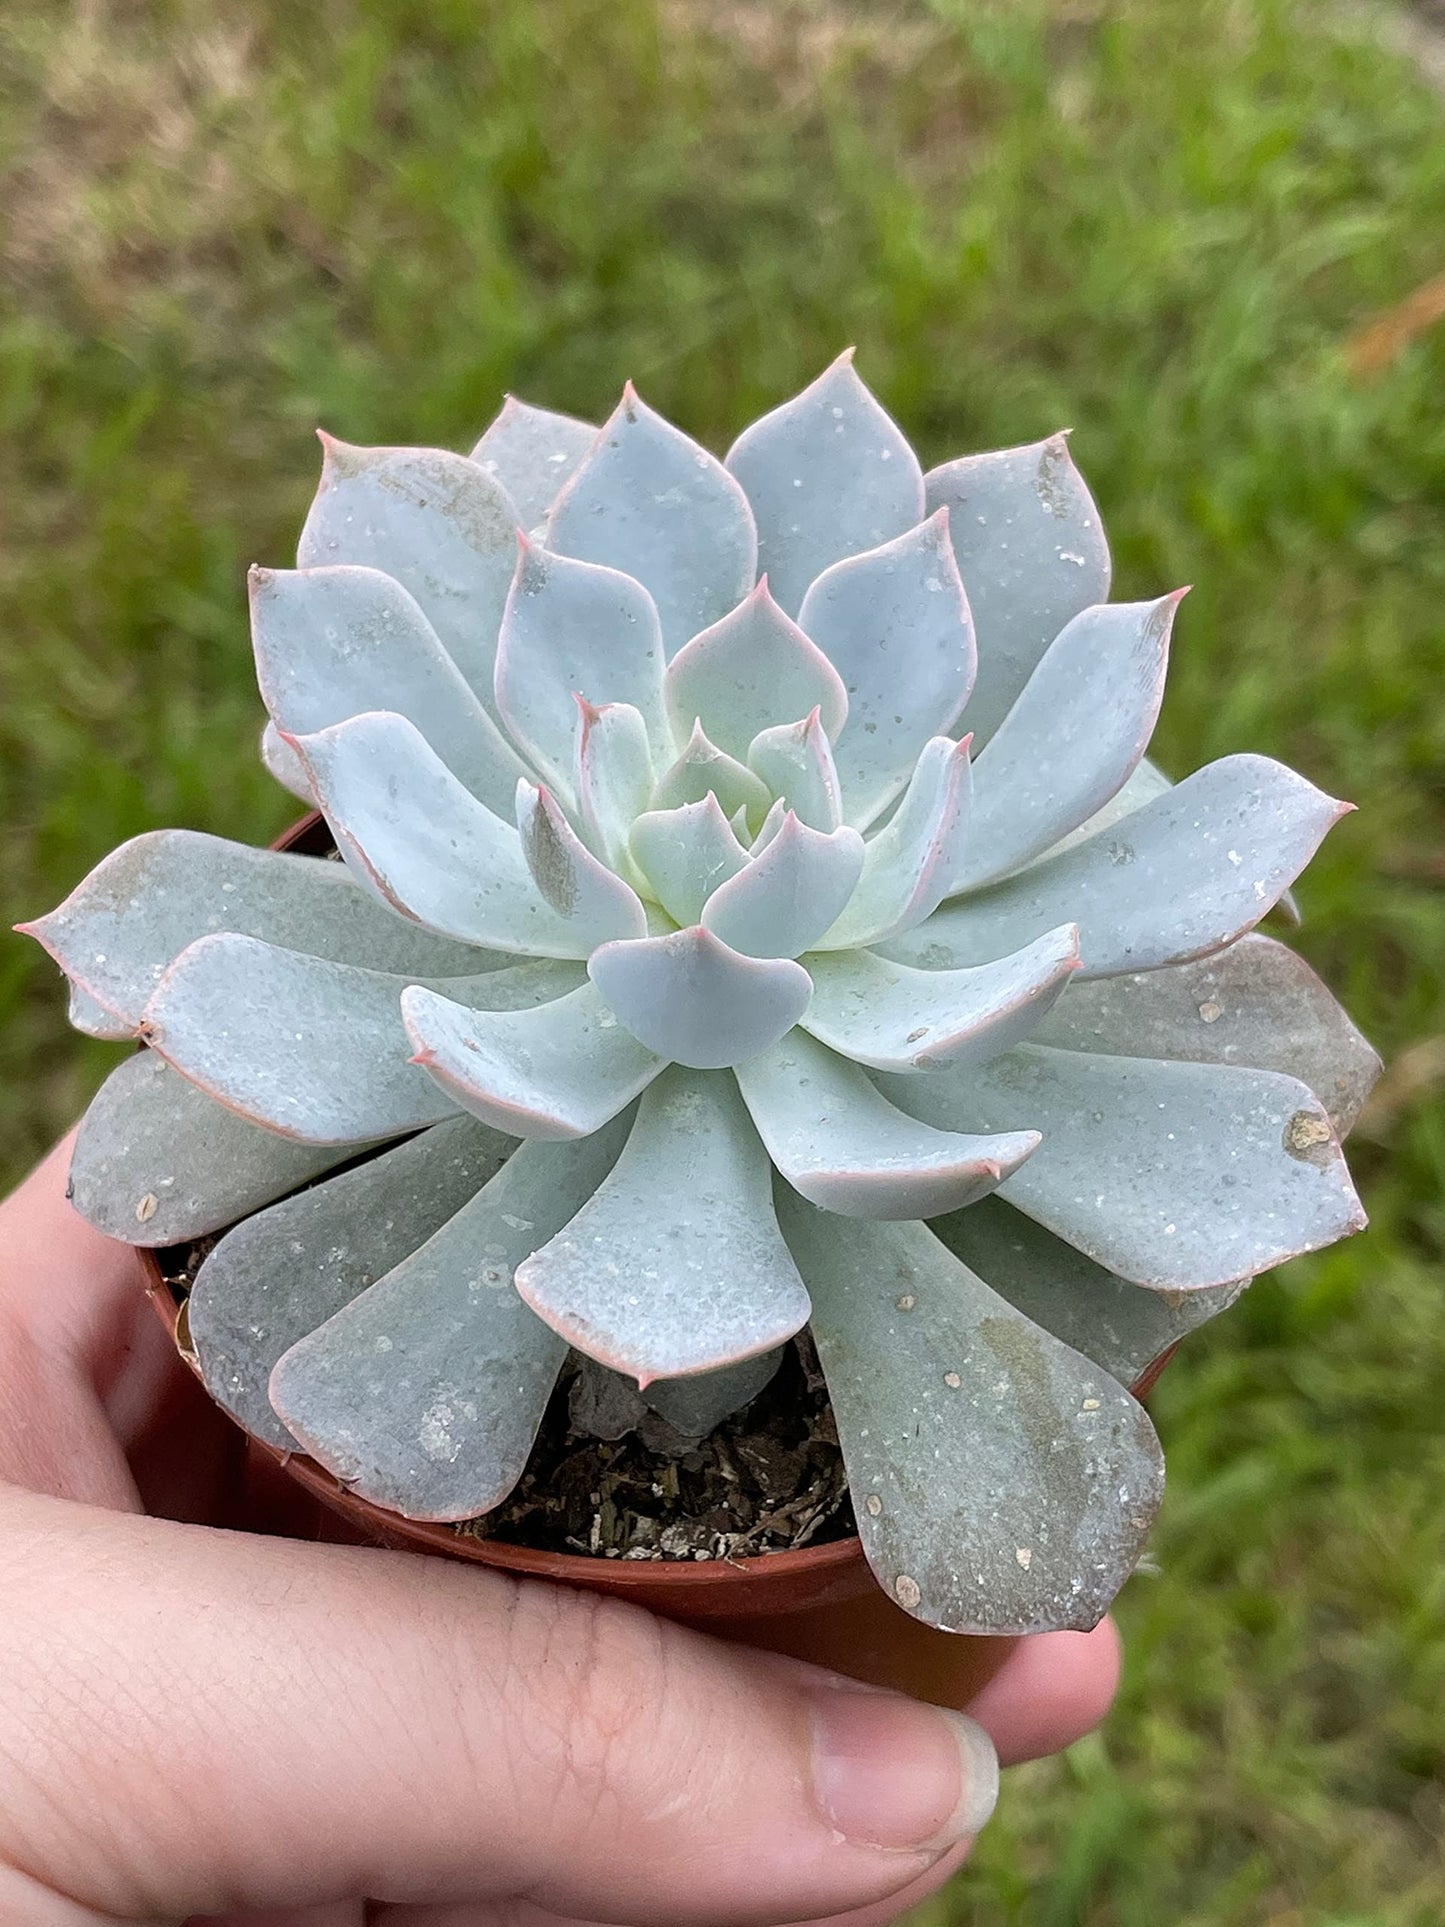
614	779
1009	1480
570	630
847	1149
1031	550
650	501
910	865
333	643
1181	877
1255	1004
782	901
795	760
755	665
694	1000
828	474
893	1018
559	1072
119	931
895	624
285	1271
157	1161
589	897
1122	1327
425	1393
532	452
1073	738
443	527
676	1264
1176	1176
685	854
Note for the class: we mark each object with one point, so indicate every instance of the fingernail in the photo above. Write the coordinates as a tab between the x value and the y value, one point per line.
893	1772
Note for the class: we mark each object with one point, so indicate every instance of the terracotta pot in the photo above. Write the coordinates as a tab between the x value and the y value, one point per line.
821	1603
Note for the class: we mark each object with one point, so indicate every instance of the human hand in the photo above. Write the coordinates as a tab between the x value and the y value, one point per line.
198	1719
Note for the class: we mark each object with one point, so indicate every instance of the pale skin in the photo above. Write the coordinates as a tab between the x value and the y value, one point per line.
204	1716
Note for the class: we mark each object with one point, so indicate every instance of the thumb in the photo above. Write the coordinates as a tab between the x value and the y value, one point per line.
194	1721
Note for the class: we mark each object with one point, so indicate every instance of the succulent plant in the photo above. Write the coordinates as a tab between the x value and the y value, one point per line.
714	910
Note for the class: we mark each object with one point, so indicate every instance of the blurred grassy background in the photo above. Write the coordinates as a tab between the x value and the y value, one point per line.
1162	223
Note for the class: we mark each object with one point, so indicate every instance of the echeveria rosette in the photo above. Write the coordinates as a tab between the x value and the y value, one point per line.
709	904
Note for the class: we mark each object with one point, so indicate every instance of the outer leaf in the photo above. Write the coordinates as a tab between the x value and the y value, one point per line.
1182	876
589	897
442	526
118	932
157	1161
614	779
895	624
1175	1176
696	1405
685	854
425	1393
574	630
285	765
425	845
892	1018
1255	1003
1073	738
695	1001
313	1050
1120	1326
746	672
649	501
1003	1483
828	473
702	768
910	865
676	1265
795	760
1031	550
780	903
559	1072
333	643
847	1149
532	453
283	1272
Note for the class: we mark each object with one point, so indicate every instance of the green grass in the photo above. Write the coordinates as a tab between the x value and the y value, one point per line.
1156	222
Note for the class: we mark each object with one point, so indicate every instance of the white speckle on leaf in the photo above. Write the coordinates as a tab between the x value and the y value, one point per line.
147	1208
907	1592
1025	1556
1210	1013
874	1505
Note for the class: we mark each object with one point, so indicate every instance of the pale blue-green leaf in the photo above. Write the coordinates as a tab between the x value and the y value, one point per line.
614	779
694	1406
1073	738
895	624
590	898
1176	1176
685	854
749	671
835	1139
336	642
1147	782
532	453
771	824
1256	1004
1182	876
676	1265
119	930
425	1394
783	899
650	501
1032	553
312	1049
285	1271
93	1018
157	1162
703	768
443	527
559	1072
282	762
795	760
910	865
828	473
575	630
1003	1484
425	845
893	1018
1120	1326
696	1001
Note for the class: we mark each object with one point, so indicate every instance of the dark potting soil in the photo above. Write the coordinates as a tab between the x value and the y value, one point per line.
768	1479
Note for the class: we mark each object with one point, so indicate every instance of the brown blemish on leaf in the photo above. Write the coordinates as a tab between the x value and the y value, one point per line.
1052	476
1309	1138
550	863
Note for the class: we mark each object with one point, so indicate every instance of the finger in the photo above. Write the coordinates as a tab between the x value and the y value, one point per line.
1052	1690
286	1725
